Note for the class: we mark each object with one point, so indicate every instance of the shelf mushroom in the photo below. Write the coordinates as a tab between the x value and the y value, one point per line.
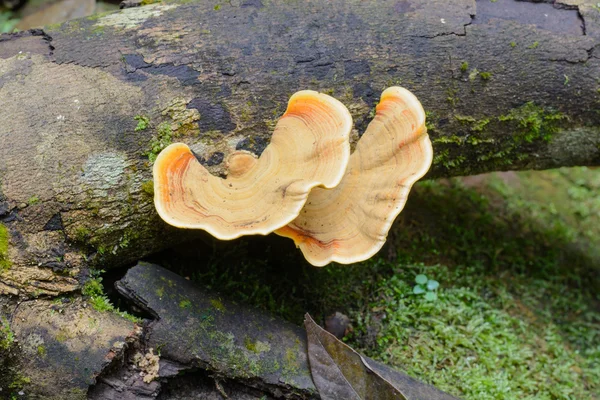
350	222
309	147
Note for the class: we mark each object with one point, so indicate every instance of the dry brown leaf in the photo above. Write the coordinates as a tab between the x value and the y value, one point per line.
341	373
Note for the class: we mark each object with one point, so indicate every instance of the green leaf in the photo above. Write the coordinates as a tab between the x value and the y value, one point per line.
418	289
421	279
431	296
432	285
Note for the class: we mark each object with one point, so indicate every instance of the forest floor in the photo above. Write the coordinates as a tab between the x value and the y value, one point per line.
517	311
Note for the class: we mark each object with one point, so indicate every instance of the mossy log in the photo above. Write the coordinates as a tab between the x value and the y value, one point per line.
85	106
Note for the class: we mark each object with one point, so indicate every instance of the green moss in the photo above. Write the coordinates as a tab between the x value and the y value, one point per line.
82	234
464	119
291	366
163	138
443	158
4	239
452	98
148	188
7	337
534	122
240	361
41	351
98	30
183	119
464	67
94	290
217	304
143	123
513	44
33	200
185	304
480	125
534	45
257	347
249	344
473	74
528	123
474	140
486	76
448	139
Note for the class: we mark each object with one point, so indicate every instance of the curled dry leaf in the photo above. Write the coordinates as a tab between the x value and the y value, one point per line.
350	222
309	148
340	373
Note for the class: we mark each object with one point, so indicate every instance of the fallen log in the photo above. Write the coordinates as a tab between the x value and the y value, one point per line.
86	105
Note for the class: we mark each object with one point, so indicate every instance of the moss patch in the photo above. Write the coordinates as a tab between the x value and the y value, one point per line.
529	123
148	188
163	138
218	305
4	238
143	123
534	122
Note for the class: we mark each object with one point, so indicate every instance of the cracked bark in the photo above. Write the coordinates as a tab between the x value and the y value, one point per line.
74	169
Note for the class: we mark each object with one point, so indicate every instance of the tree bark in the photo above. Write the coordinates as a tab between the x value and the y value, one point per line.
86	105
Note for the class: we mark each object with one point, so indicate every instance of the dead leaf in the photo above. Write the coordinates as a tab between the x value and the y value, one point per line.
341	373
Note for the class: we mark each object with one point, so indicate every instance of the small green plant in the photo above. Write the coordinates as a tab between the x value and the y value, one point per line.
160	141
534	45
486	76
185	304
426	286
513	44
33	200
143	123
7	337
94	289
464	66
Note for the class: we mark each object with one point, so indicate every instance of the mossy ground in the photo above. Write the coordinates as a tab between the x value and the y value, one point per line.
517	314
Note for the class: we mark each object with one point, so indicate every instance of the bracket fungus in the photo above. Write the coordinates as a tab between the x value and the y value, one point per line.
309	147
350	222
